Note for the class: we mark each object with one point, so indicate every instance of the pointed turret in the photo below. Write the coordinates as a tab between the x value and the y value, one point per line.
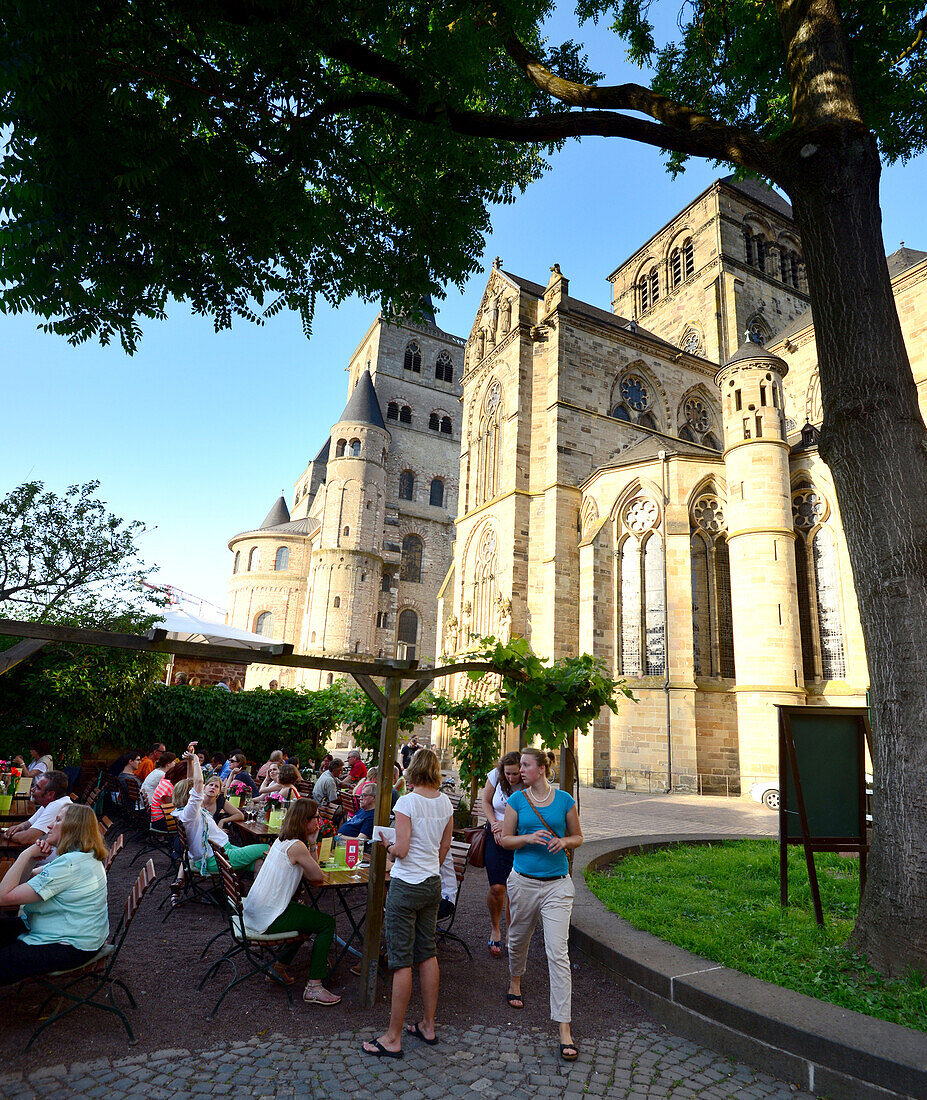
278	514
363	405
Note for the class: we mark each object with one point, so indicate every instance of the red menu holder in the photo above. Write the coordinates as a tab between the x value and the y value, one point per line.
351	851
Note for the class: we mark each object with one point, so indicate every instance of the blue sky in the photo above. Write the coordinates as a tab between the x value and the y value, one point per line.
198	433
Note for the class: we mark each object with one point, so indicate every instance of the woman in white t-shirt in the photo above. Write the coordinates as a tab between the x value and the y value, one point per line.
424	826
501	784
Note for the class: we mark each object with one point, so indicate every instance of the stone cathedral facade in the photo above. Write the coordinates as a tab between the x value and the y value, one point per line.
643	483
640	482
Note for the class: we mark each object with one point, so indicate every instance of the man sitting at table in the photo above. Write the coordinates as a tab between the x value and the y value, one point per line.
357	766
326	786
361	824
51	793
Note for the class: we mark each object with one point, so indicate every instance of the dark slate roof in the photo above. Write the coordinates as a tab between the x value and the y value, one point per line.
751	350
903	258
758	190
322	456
363	407
277	515
594	313
648	450
291	528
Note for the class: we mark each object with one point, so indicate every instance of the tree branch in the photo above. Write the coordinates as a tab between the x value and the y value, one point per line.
921	30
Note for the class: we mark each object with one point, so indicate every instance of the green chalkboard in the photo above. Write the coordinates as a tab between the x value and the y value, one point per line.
830	755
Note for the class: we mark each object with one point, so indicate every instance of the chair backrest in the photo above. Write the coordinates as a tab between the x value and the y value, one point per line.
304	787
229	882
129	789
348	803
327	813
181	831
460	851
114	851
171	825
139	889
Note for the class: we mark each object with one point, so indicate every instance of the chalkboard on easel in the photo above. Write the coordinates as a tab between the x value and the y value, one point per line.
822	777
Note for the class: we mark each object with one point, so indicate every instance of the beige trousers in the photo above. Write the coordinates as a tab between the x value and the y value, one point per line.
552	901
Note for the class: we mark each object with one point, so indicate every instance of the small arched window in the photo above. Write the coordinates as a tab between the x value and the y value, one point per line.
410	564
354	448
446	428
329	679
237	562
436	495
820	617
407	633
264	624
413	358
386	582
345	531
406	485
339	448
336	602
675	268
434	422
282	559
253	559
444	368
392	411
688	260
405	415
312	638
649	289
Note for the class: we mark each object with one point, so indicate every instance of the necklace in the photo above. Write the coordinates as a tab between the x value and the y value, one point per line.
540	801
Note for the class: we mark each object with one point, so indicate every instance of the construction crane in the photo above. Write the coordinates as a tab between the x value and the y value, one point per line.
177	597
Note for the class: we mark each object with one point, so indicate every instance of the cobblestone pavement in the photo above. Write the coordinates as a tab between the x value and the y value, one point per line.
623	813
643	1062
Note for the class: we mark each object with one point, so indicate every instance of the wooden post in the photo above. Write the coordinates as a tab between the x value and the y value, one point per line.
376	887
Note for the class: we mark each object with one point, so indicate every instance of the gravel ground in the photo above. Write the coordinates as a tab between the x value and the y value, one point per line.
160	962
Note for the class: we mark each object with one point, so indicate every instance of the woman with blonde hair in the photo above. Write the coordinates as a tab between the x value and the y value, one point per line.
540	826
64	917
424	826
269	906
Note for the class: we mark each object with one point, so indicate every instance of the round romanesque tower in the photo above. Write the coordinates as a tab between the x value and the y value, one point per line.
347	561
764	593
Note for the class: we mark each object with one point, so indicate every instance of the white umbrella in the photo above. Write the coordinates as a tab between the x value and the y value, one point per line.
181	626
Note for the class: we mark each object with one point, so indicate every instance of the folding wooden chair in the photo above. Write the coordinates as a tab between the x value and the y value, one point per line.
98	971
348	803
114	851
196	887
460	852
251	948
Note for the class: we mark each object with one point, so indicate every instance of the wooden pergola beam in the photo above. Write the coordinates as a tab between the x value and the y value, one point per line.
11	657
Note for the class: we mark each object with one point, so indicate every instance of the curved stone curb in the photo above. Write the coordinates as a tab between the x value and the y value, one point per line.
827	1050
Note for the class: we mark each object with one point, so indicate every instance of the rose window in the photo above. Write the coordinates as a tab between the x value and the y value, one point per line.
698	414
709	514
808	509
641	515
691	344
634	393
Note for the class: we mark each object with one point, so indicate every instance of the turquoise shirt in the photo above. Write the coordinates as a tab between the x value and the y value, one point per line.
73	908
534	859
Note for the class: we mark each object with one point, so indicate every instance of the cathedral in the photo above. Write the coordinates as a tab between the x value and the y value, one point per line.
641	483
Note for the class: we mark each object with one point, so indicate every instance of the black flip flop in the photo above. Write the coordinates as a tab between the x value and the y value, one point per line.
419	1034
381	1051
512	998
564	1047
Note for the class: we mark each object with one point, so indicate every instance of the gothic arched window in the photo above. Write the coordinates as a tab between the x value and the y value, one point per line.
253	559
649	289
444	368
699	423
413	358
436	494
485	590
407	632
633	402
410	564
820	618
641	592
681	263
405	415
712	621
488	445
406	485
282	559
264	624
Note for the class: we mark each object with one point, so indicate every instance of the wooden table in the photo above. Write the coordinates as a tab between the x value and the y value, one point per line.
256	832
339	883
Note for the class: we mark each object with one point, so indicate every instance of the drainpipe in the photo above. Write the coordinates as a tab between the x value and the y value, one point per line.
666	648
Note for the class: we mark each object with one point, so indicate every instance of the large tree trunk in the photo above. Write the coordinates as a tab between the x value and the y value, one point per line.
875	443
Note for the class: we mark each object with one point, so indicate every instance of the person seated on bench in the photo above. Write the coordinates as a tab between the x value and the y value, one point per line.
361	824
64	917
203	834
51	793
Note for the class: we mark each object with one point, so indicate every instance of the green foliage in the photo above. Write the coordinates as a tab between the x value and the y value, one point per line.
552	699
476	731
365	722
255	721
722	902
66	559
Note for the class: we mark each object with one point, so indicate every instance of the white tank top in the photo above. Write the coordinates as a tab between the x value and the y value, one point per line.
273	888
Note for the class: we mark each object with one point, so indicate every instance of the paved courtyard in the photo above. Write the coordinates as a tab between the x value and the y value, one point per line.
484	1051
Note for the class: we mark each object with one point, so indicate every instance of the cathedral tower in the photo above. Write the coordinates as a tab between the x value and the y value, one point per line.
348	564
764	594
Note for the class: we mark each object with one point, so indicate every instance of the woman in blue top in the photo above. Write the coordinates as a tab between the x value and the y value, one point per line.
541	825
64	917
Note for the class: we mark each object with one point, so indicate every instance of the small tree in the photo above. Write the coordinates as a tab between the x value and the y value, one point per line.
476	731
364	721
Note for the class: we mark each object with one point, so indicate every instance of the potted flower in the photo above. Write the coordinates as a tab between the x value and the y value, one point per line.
275	802
238	791
9	779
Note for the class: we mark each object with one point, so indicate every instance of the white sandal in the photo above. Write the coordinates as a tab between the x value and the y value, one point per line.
319	995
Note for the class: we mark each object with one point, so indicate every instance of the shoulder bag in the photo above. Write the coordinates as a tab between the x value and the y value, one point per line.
540	816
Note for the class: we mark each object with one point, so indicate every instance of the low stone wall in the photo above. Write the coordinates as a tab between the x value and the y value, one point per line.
827	1050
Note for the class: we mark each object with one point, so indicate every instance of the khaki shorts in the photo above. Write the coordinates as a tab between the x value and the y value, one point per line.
411	916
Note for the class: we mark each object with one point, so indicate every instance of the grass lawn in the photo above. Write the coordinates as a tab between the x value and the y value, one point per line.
722	902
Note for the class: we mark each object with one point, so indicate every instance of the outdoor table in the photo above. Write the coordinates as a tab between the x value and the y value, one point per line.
256	832
339	883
